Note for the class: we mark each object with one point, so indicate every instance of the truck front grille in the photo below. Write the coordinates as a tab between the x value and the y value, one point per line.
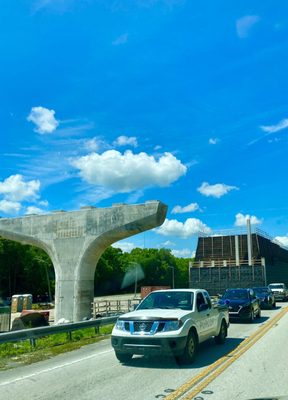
140	326
144	327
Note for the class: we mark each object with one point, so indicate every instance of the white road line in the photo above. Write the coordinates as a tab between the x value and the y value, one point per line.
68	364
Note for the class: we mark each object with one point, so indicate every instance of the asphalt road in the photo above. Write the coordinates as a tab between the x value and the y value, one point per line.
256	370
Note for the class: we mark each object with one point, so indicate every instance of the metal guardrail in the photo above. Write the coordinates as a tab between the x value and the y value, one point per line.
34	333
106	307
225	263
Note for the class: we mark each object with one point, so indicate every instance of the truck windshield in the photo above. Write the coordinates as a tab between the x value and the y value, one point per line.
168	300
277	286
235	294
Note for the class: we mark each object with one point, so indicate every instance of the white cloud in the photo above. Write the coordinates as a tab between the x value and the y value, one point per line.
44	119
92	144
245	24
34	210
282	239
125	140
126	247
218	190
44	203
122	39
128	172
241	219
168	243
283	124
184	253
213	141
190	208
190	227
9	207
15	189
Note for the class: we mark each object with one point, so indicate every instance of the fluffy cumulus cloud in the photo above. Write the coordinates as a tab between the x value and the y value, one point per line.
183	253
192	226
34	210
126	141
10	207
181	210
283	240
128	172
218	190
283	124
241	219
16	189
245	24
126	247
44	120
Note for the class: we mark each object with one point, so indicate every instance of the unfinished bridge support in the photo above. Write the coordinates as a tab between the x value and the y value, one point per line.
76	240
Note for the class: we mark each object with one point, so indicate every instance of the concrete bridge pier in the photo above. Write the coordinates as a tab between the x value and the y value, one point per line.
76	240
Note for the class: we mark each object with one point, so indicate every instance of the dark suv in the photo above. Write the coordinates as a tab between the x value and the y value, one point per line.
266	296
243	304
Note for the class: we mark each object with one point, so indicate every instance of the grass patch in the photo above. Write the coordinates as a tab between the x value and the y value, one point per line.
22	353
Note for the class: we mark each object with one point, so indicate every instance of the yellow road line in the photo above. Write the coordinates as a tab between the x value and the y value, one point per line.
214	370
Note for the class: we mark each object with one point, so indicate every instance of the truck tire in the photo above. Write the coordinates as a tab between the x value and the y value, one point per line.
123	357
190	349
221	337
252	316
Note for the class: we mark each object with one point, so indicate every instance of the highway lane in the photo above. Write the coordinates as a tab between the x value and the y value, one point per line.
262	372
94	372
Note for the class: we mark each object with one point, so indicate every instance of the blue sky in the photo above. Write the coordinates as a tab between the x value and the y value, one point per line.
108	101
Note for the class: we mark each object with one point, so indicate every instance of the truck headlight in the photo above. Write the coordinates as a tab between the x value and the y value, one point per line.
173	325
120	325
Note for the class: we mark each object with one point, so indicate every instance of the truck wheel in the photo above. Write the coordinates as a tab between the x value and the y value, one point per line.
252	316
123	357
220	338
274	304
190	350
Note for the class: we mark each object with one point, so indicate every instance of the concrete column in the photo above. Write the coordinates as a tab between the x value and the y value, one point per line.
249	242
237	258
76	240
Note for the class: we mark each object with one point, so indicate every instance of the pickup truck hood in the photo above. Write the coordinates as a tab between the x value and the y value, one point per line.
155	313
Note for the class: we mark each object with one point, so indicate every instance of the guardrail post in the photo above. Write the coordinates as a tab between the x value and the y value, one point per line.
32	342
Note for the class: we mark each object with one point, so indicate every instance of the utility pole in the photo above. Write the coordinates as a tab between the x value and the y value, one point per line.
173	281
136	277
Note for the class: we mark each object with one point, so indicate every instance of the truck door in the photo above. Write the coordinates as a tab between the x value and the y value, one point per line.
214	316
204	317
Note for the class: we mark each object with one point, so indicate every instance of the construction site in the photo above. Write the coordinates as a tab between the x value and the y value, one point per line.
248	258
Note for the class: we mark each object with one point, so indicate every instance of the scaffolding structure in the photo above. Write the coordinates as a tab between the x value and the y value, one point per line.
238	259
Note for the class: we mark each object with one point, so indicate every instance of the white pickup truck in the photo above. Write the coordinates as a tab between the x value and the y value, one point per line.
279	290
170	322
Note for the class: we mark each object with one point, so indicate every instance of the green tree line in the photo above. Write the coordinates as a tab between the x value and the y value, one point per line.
28	269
